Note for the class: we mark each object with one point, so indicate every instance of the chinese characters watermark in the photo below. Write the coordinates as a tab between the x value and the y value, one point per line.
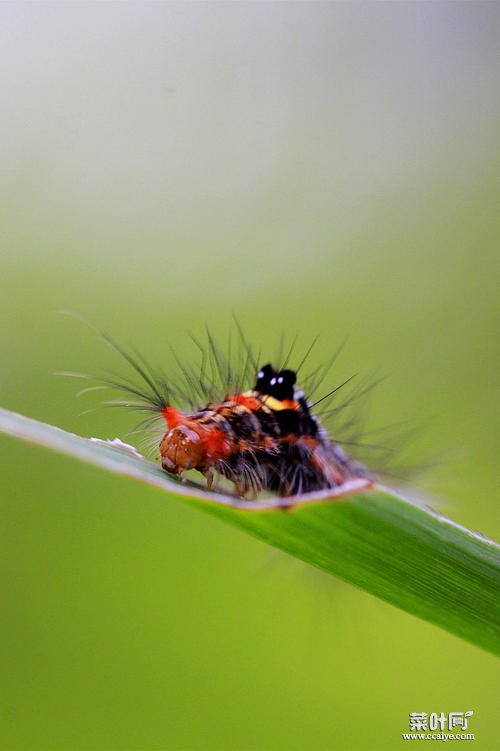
423	721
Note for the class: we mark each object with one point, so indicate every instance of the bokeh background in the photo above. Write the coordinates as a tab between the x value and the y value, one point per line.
320	168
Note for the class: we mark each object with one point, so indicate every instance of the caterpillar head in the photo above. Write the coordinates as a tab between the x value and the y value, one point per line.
182	448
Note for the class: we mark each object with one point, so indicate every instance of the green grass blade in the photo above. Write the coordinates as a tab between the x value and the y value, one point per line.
405	554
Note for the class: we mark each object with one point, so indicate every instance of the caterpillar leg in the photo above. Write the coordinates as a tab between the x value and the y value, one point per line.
209	477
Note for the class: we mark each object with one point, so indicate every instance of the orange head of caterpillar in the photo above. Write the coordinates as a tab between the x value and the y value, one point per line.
190	444
181	448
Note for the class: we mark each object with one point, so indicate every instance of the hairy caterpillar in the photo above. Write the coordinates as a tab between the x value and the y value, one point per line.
251	425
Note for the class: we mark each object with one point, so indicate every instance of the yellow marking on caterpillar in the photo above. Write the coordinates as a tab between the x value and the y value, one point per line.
276	405
270	403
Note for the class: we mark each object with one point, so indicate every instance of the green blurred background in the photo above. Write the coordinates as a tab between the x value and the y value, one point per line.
318	168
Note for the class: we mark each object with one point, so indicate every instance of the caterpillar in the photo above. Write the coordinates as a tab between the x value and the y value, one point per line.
265	438
253	426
